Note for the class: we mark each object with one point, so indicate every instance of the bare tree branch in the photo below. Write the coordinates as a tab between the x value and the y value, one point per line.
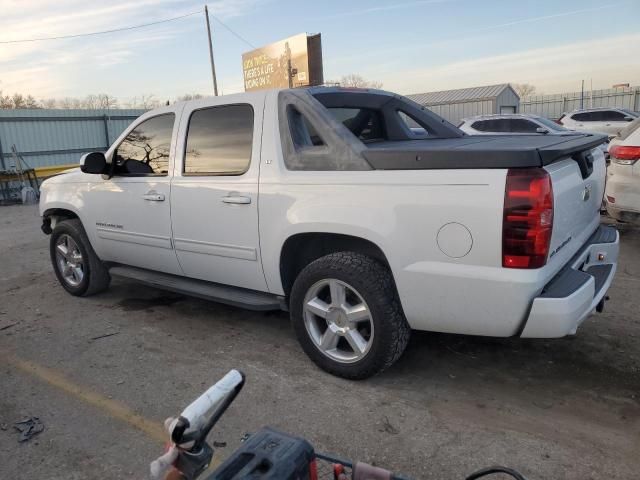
524	89
356	81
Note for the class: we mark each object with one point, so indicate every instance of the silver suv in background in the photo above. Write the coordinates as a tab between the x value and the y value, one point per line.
602	120
517	124
511	124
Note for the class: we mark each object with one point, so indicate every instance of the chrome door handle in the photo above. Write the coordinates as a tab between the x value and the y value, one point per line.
153	196
237	199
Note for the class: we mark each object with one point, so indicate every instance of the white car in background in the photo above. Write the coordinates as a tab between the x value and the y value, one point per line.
517	124
511	124
623	175
602	120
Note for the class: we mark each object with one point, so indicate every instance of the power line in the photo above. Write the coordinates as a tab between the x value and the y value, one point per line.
104	31
237	35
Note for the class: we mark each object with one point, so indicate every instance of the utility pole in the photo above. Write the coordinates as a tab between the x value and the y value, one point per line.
213	65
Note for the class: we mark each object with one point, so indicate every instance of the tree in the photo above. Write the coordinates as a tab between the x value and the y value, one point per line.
189	96
49	103
524	89
356	81
106	101
5	101
146	101
18	100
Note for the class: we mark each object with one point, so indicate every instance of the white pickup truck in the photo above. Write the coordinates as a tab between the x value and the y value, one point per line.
359	211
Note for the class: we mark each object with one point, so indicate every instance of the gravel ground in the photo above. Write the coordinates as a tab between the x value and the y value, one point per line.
566	408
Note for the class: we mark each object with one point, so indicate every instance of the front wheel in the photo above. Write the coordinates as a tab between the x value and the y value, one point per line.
78	268
347	315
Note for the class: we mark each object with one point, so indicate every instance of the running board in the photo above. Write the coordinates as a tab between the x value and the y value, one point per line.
235	296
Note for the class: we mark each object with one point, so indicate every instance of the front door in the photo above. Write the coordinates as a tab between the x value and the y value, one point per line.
214	192
132	208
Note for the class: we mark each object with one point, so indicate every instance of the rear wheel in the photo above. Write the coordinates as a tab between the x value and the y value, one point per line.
78	268
347	316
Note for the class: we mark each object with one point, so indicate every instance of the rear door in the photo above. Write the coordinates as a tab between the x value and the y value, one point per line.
214	203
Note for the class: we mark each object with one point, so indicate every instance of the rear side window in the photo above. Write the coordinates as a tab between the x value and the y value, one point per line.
145	150
612	116
502	125
219	141
520	125
582	117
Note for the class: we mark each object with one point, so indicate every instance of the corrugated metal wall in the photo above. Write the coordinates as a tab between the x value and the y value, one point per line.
454	112
59	137
552	106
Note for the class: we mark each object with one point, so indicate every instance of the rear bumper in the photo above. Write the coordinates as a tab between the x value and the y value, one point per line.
573	294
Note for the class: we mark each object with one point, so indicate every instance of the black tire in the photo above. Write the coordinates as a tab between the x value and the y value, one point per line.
374	282
96	276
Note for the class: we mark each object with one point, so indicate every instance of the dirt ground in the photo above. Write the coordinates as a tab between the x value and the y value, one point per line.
565	409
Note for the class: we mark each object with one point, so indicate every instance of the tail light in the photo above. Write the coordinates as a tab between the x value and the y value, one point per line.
624	155
559	120
313	470
527	218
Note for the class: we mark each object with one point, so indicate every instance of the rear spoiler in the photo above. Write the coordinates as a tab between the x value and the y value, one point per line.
480	152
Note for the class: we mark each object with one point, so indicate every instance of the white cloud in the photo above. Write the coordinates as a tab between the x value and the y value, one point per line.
46	68
551	69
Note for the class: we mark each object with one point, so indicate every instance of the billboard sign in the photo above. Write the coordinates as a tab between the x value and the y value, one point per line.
293	62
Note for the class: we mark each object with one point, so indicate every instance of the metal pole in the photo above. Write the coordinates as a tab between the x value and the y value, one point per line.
106	132
4	167
582	96
213	65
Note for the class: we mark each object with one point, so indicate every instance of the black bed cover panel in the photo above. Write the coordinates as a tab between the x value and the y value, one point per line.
500	151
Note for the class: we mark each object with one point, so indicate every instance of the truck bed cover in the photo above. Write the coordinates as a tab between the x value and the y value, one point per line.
477	152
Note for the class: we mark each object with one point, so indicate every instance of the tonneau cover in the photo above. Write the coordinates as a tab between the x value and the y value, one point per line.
500	151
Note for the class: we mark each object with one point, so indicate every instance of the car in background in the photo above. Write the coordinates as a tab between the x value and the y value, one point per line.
623	175
517	124
511	124
602	120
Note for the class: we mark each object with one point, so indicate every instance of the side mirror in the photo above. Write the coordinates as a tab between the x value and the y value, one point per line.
94	162
629	119
541	130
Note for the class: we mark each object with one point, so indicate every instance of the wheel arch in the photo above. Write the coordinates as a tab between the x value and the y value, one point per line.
300	249
51	216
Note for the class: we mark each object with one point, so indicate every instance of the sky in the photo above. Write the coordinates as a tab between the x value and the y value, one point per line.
409	46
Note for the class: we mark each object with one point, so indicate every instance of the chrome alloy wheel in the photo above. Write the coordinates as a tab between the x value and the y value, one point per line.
338	320
69	260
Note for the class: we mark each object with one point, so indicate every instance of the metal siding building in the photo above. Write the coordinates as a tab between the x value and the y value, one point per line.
59	137
553	106
454	105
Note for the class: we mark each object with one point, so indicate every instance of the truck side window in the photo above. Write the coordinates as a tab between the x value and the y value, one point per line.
219	141
302	132
413	125
145	150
